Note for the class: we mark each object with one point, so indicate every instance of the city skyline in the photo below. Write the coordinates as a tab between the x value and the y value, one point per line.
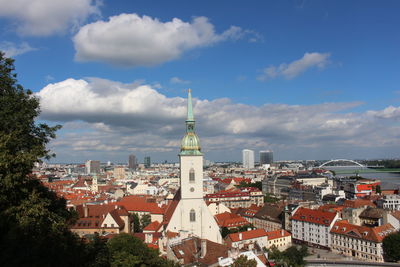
306	79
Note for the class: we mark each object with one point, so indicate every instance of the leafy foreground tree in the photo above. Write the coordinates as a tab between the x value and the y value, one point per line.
243	261
126	250
33	221
391	247
292	256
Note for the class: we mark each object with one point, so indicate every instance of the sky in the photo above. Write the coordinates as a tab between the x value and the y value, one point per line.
306	79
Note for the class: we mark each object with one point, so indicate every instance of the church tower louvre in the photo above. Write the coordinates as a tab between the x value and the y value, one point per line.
192	216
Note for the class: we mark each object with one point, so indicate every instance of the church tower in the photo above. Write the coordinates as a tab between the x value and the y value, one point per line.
192	215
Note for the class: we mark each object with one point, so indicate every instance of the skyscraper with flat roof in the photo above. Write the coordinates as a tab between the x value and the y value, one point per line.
132	162
147	162
266	157
248	158
92	166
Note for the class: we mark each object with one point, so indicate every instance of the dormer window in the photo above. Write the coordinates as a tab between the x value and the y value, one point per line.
191	176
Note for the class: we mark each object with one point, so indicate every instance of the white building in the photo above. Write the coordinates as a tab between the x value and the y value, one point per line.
92	166
248	158
191	215
313	226
361	242
390	202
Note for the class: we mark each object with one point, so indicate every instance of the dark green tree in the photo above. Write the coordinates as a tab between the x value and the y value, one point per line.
243	261
97	254
126	250
136	223
391	247
33	220
224	232
145	220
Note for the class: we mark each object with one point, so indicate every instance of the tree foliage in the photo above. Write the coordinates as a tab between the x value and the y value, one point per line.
293	256
391	247
145	220
243	261
126	250
33	220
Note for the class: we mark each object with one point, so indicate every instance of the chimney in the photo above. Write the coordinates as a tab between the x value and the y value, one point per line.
203	248
282	232
240	236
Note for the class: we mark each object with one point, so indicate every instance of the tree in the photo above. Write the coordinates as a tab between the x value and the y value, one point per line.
391	247
33	220
243	261
270	198
378	189
145	220
224	232
136	223
126	250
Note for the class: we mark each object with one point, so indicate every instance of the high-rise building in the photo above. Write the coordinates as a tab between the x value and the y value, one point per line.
92	166
147	162
119	172
248	158
266	157
132	162
191	215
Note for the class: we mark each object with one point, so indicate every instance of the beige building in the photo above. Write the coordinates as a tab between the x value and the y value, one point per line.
119	172
361	242
281	239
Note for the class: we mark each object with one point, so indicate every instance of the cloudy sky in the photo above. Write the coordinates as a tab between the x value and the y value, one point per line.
306	79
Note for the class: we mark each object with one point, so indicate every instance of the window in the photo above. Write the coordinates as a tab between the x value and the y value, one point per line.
191	175
192	215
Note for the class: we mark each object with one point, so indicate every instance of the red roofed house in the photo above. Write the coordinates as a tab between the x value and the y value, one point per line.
101	219
141	205
239	240
361	242
281	239
230	220
312	226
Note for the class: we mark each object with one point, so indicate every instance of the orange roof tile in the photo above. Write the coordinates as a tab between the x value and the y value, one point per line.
277	234
235	237
314	216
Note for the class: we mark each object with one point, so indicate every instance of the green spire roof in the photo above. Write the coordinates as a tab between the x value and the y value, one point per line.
190	116
190	144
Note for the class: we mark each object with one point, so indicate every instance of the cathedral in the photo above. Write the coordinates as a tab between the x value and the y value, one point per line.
191	215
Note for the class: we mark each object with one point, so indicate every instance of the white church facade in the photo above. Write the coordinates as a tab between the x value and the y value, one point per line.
191	215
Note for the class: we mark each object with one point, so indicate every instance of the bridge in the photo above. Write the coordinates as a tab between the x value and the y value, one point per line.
356	164
339	160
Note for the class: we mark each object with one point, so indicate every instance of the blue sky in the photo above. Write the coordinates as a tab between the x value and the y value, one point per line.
307	79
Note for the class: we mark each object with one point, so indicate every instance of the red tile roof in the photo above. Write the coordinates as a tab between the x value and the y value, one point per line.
140	204
277	234
374	234
357	203
235	237
228	219
152	227
314	216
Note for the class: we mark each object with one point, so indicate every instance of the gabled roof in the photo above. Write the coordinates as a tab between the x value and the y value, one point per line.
270	212
314	216
357	203
228	219
374	234
140	204
277	234
257	233
152	227
189	250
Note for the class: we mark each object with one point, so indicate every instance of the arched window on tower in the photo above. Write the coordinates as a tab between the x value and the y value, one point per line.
192	215
191	175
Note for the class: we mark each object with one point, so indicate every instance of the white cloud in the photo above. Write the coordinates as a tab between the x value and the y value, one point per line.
114	117
177	80
131	40
11	50
46	17
297	67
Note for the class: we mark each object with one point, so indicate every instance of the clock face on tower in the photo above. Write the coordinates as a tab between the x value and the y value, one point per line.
191	189
190	127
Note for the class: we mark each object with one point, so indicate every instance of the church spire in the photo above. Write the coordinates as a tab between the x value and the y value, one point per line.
190	144
190	116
